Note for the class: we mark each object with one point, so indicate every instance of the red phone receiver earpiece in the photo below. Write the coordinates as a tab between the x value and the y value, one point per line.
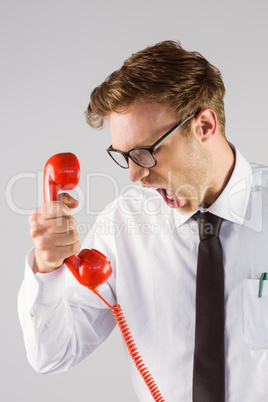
62	172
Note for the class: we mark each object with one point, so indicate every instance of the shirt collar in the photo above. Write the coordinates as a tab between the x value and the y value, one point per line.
232	203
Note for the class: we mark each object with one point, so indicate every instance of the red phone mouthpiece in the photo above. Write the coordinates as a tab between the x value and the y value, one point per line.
90	267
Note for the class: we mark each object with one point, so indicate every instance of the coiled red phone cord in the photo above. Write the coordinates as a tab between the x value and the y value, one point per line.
129	341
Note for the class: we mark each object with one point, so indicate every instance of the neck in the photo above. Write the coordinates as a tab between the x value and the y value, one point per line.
223	162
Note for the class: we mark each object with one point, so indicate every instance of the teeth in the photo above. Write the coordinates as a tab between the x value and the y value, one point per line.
170	195
170	198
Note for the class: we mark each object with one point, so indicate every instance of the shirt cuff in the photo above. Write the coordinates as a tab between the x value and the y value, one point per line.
48	286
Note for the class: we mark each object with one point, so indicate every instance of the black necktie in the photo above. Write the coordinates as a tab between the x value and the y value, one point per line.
209	355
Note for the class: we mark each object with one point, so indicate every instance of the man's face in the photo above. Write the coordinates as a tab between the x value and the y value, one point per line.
182	173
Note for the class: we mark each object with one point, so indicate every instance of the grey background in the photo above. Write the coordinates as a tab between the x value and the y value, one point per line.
53	53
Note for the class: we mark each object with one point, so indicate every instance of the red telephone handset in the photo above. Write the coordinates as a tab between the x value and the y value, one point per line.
90	267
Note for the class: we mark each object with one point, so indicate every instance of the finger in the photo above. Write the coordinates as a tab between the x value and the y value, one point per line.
48	227
44	242
50	210
68	200
59	253
64	224
63	239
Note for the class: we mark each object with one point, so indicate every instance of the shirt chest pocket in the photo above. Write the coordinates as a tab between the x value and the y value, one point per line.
255	314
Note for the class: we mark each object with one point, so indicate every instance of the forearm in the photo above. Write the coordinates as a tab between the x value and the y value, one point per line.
57	321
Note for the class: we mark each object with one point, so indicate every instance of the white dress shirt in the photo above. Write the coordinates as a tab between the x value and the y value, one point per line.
153	251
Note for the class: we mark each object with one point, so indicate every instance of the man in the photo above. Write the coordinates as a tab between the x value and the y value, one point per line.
166	116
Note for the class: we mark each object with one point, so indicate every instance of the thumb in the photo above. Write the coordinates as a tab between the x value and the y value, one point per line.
68	200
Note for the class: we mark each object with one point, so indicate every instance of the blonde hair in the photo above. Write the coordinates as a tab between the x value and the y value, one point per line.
164	73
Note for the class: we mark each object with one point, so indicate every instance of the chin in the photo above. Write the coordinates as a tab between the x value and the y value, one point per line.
188	207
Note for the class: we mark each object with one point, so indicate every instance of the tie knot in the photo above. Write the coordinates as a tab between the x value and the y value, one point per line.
208	225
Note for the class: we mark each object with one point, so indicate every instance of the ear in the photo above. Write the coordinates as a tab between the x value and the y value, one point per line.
205	125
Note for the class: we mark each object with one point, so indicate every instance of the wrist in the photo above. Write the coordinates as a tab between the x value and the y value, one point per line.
43	267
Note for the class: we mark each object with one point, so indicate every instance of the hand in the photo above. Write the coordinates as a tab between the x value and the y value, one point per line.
55	238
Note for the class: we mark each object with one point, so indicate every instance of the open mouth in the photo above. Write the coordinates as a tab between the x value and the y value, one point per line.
169	197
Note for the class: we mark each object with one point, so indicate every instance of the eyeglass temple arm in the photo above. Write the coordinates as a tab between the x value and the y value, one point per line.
159	142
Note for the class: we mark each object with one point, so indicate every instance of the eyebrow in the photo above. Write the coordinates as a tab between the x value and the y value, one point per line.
147	143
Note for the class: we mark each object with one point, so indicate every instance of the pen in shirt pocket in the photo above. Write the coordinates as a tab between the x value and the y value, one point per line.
264	276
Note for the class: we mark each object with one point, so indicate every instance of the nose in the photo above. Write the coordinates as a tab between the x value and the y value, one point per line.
136	172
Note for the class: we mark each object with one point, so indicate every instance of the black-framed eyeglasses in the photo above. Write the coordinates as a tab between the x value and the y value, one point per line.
142	156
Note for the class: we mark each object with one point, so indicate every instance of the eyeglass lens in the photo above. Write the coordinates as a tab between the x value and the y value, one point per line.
119	159
143	157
